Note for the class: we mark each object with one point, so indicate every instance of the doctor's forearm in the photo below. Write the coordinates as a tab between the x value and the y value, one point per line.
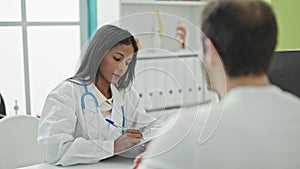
78	151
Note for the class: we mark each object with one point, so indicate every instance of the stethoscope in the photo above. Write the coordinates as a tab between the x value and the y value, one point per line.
87	93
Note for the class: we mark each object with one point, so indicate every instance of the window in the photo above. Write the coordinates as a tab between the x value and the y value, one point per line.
39	47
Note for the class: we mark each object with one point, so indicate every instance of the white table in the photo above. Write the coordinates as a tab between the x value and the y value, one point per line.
116	162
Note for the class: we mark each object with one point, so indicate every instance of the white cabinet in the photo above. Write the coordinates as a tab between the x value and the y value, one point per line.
166	79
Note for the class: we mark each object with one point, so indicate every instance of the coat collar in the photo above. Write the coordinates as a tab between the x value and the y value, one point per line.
116	115
110	132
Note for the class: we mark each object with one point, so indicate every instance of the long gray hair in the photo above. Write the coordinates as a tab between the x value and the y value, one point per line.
104	39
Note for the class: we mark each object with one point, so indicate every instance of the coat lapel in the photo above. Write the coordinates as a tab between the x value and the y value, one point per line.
94	117
116	115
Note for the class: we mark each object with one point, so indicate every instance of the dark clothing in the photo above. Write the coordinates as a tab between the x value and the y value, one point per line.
2	107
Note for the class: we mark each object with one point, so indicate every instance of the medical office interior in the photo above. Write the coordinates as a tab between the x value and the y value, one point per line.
41	42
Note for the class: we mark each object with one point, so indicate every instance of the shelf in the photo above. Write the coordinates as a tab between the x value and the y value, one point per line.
163	54
174	3
187	12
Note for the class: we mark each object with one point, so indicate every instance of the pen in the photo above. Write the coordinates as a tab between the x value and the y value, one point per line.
117	126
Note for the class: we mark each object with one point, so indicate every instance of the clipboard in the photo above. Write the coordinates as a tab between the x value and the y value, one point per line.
134	151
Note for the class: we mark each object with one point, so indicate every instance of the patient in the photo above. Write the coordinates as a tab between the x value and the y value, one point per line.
255	124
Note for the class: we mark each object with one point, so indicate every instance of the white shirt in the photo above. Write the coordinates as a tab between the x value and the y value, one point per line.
105	105
253	127
69	135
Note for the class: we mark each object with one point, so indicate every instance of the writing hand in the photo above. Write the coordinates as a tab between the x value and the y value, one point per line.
134	133
124	142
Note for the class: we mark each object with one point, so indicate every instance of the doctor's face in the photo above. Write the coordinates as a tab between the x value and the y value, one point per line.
115	63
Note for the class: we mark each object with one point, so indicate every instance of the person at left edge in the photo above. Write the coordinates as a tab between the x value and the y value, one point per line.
72	127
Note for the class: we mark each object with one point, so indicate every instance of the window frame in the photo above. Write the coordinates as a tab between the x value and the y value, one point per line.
84	35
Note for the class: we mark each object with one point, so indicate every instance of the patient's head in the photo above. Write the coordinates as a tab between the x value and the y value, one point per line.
240	34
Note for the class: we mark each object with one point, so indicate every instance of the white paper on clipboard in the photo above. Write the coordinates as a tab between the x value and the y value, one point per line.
133	151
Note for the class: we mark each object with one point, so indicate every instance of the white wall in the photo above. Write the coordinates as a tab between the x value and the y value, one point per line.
108	11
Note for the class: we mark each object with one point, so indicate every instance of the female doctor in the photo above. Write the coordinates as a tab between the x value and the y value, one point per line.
73	127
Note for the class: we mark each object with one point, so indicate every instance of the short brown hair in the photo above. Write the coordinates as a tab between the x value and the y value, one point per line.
243	32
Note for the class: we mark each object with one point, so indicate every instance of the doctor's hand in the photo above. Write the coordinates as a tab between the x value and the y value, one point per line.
124	142
134	133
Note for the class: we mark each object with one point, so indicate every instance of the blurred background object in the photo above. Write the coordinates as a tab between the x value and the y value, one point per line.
2	107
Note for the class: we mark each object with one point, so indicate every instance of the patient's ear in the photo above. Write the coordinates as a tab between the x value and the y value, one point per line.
211	52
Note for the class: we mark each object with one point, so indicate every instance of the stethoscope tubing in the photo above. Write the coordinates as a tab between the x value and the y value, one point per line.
87	93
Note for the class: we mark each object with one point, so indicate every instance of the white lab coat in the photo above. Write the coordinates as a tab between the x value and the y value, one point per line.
253	127
69	136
